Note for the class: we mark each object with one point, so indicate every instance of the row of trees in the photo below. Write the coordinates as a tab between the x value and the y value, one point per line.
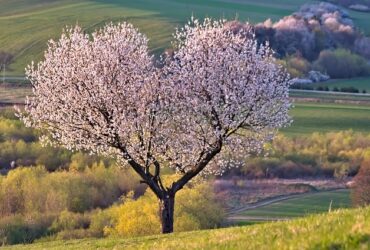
349	89
318	37
336	155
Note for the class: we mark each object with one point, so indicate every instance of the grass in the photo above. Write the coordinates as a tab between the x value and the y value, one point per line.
27	25
342	229
330	117
302	205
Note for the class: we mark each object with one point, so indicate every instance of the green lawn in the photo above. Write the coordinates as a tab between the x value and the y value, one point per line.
341	229
302	205
321	117
27	25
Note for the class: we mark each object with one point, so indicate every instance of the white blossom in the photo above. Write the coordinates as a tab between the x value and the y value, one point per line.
218	97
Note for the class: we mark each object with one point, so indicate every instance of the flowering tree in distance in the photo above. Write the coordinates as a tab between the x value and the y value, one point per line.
218	94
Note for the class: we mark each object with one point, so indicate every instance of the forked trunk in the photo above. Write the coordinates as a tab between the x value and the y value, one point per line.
166	210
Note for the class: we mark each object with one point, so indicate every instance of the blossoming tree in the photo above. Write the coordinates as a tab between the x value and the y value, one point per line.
218	95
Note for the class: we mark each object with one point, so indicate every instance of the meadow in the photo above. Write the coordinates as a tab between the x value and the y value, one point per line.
302	205
26	26
341	229
327	117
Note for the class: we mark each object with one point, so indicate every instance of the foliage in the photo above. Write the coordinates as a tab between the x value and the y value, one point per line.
22	191
297	66
21	145
361	185
69	221
314	28
341	63
16	229
195	208
326	155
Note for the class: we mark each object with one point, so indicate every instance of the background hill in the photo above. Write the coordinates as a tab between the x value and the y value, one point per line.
27	25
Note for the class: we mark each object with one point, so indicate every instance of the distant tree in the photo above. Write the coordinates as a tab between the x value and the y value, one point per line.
349	89
5	59
219	94
361	187
341	63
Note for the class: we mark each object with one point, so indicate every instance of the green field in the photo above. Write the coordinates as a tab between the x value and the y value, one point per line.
302	205
362	83
308	117
27	25
331	117
342	229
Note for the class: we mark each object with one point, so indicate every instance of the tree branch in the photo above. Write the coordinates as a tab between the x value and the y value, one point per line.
179	184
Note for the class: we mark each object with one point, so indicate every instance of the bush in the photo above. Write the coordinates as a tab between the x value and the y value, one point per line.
23	190
336	155
69	221
195	208
297	66
349	90
341	63
16	229
360	191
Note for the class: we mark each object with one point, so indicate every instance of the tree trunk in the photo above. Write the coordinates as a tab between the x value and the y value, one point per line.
166	209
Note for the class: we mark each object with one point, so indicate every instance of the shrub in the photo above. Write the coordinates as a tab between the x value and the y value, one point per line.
69	221
296	65
16	229
23	189
327	155
195	208
349	89
361	189
341	63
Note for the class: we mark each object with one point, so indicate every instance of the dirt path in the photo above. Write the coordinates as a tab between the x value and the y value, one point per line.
233	215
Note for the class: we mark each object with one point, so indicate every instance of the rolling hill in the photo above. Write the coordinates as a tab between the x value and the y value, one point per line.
26	25
341	229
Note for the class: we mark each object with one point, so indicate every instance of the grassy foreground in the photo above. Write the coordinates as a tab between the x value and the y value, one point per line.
341	229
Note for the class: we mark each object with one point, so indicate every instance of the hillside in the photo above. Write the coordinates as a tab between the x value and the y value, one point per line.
342	229
27	25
